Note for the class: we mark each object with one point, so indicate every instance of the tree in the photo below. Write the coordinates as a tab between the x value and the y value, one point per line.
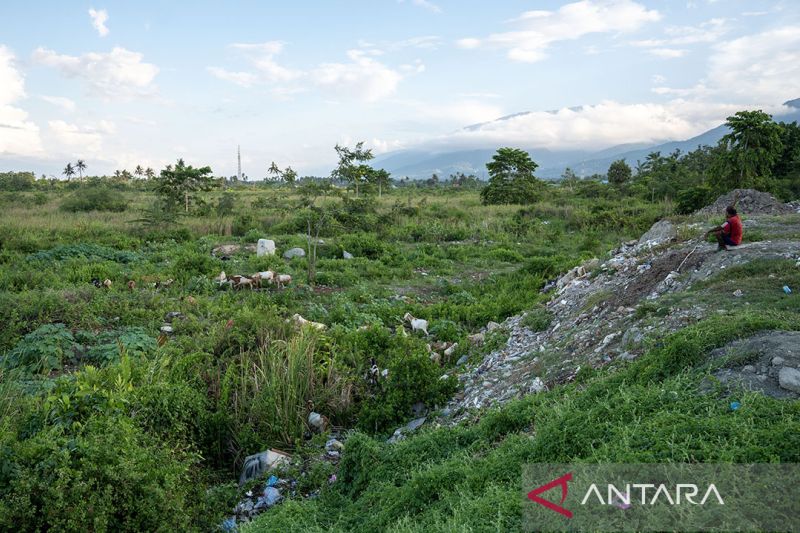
511	179
569	178
149	173
619	172
68	171
752	148
180	184
274	171
352	166
80	166
381	178
138	171
289	176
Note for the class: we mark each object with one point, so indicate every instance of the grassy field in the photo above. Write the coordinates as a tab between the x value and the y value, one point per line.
108	424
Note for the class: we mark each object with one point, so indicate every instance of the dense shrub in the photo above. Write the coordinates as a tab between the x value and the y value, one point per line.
94	199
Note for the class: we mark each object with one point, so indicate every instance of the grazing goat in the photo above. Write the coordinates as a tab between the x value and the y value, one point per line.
241	281
283	279
300	321
222	278
417	324
107	283
131	285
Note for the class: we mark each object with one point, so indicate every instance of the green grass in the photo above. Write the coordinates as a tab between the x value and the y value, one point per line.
178	414
467	478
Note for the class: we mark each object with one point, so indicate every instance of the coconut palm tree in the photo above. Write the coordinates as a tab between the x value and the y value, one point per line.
80	166
139	171
150	173
274	171
68	171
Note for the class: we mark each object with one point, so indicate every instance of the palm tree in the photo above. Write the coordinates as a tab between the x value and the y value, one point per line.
117	174
274	170
139	171
80	166
149	173
68	171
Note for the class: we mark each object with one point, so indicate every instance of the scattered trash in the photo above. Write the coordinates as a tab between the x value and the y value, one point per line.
735	406
317	421
229	524
738	293
272	481
787	290
332	479
257	464
270	498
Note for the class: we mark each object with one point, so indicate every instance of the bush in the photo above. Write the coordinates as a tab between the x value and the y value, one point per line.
94	199
537	319
693	198
42	350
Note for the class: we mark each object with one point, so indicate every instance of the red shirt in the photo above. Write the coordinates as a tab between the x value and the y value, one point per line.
733	228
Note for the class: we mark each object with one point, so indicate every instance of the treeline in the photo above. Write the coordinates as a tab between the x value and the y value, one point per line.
758	153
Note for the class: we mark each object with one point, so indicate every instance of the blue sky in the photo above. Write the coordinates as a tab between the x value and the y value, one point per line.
121	83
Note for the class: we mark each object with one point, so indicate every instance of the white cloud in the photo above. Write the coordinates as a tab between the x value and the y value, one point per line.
658	79
262	55
762	68
18	135
116	74
244	79
707	32
540	29
425	4
363	77
86	139
593	127
60	101
99	18
667	53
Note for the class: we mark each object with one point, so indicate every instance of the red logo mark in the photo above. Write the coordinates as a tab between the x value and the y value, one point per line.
562	481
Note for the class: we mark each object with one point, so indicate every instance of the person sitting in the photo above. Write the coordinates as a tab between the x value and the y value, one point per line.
730	232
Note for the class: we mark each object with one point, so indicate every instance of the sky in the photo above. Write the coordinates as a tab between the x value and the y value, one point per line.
120	84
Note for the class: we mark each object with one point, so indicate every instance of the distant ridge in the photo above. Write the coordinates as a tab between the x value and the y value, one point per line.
421	164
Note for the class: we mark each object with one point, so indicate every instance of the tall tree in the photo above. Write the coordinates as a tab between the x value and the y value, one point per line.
181	183
352	165
382	179
752	148
274	171
619	172
68	171
149	173
289	176
138	171
511	179
80	166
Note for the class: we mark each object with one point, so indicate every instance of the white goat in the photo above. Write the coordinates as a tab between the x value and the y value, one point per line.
283	280
300	321
417	324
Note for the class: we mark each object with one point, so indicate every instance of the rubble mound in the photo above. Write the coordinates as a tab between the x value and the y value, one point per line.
767	362
750	202
608	311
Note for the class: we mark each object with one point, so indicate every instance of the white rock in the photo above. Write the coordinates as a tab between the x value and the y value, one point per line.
537	385
777	360
265	247
789	379
294	252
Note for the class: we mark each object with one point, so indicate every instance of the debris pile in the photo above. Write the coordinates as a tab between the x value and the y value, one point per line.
748	202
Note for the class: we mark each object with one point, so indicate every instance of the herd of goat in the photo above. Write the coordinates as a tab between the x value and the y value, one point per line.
255	281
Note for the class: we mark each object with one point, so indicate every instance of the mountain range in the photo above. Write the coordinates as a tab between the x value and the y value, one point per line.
421	164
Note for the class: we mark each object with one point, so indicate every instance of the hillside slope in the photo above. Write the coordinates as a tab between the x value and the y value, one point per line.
663	351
